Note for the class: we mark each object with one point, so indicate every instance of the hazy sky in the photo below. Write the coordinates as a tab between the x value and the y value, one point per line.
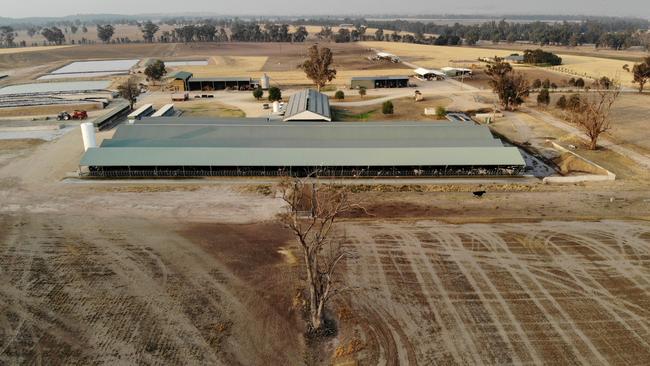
27	8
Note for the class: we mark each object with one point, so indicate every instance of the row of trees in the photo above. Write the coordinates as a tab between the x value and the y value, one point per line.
612	33
590	112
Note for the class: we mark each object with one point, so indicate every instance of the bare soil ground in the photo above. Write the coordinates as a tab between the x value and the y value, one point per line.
47	110
630	115
546	293
201	273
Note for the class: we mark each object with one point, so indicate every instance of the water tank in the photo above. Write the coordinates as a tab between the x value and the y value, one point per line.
265	81
276	107
88	135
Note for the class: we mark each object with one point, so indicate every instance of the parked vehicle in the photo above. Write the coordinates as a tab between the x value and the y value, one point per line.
77	114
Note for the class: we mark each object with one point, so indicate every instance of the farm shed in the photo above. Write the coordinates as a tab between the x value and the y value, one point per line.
428	74
372	82
178	81
171	146
456	71
220	83
308	105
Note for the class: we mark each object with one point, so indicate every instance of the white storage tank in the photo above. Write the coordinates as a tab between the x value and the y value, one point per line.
88	135
276	107
265	82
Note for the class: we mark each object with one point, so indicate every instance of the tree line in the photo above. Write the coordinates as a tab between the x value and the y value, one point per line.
614	33
610	33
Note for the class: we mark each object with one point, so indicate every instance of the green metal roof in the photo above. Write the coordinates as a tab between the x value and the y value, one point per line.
240	143
295	132
296	157
182	75
220	79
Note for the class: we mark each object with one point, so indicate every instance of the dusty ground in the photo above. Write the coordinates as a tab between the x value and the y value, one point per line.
545	293
405	109
280	61
200	272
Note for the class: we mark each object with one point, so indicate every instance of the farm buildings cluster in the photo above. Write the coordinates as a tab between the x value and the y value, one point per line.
168	194
304	141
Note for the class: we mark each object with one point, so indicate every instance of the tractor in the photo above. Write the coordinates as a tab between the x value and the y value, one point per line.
65	116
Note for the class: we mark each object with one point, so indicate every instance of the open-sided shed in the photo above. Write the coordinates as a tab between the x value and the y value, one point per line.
372	82
171	146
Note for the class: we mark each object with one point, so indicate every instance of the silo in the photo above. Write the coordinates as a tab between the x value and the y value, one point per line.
88	135
265	82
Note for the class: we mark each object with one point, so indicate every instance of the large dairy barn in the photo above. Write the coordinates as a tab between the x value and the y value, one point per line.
303	143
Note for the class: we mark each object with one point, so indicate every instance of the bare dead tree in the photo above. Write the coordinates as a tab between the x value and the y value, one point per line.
592	113
312	210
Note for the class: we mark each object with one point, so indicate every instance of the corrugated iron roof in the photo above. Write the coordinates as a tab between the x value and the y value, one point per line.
219	79
258	143
308	100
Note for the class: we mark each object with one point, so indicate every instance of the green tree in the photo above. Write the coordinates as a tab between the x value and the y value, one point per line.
53	35
573	102
379	35
511	88
300	35
537	84
275	94
362	91
258	93
318	67
129	90
339	95
441	112
387	107
105	32
7	36
155	70
580	83
544	97
641	73
561	103
149	30
546	84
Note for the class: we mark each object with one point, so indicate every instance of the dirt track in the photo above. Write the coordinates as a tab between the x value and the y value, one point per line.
79	290
191	273
548	293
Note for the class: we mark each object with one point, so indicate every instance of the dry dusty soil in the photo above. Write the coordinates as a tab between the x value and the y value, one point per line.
201	272
552	293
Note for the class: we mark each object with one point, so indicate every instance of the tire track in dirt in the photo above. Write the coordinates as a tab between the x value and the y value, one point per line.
398	351
581	275
475	270
555	321
551	292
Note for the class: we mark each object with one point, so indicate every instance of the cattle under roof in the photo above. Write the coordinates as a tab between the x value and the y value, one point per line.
308	105
173	146
390	77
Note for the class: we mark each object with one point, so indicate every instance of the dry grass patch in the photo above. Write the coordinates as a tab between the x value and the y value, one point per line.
210	109
228	66
406	109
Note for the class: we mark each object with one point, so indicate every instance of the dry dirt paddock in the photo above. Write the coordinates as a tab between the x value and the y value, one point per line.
201	273
552	293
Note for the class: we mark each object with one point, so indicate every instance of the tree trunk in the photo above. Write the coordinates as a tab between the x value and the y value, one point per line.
593	143
314	315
